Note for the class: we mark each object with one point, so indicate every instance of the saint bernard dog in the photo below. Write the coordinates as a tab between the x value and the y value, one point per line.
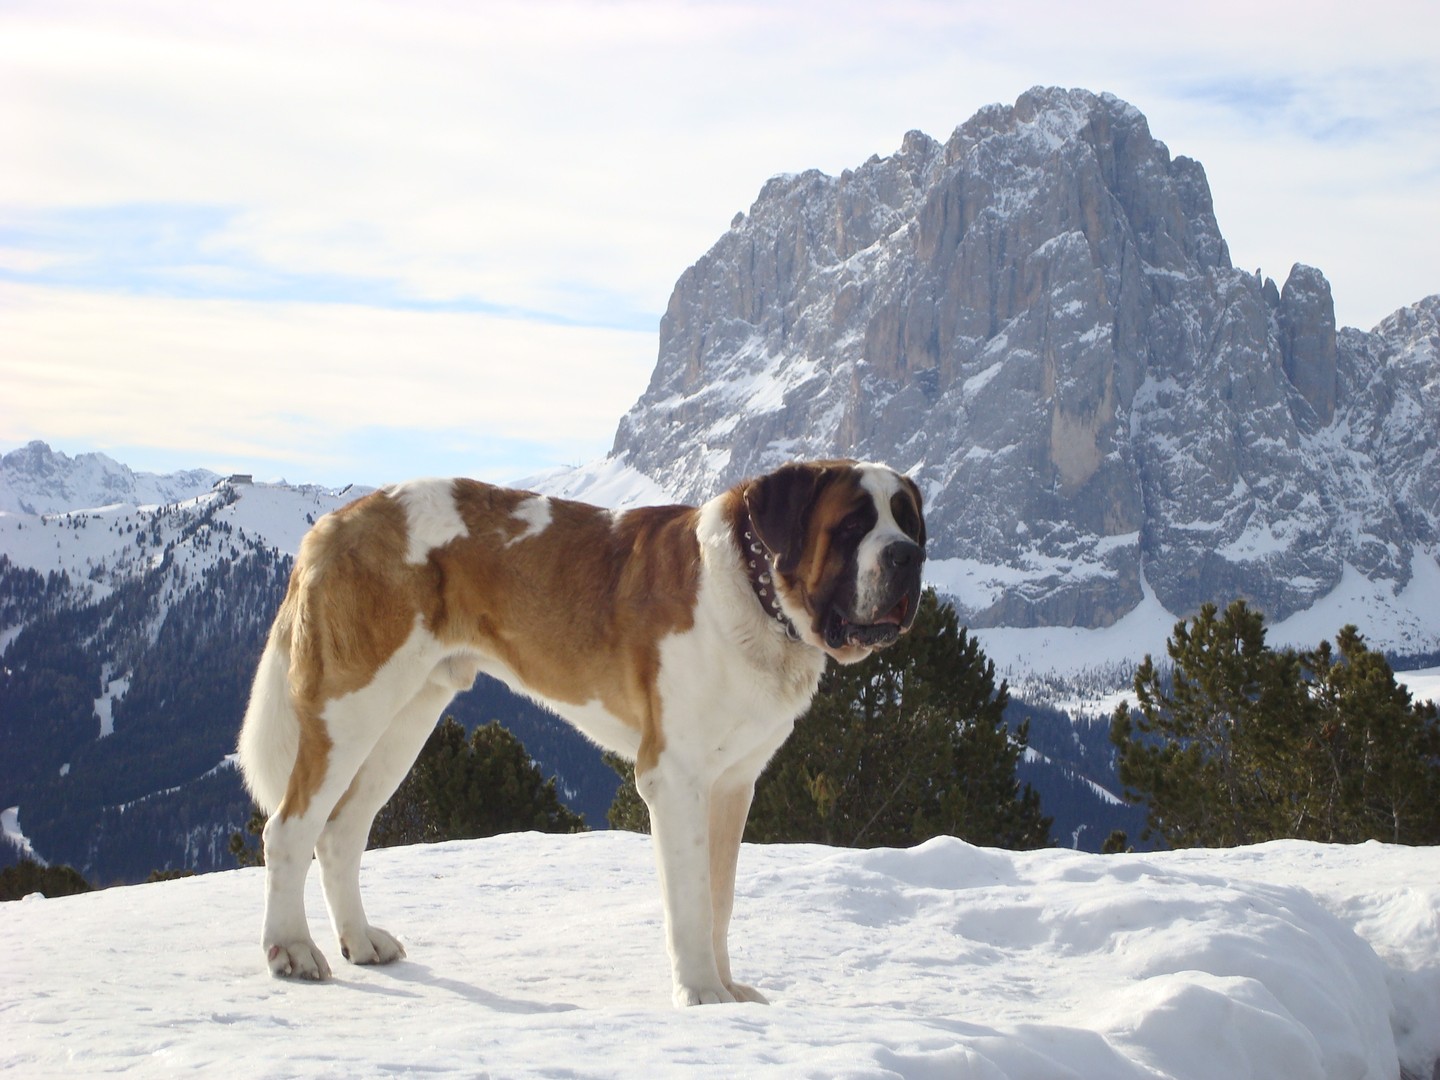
688	639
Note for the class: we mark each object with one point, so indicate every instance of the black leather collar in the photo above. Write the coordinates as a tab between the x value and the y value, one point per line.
760	569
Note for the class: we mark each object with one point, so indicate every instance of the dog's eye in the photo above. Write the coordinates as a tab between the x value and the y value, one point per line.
854	525
905	516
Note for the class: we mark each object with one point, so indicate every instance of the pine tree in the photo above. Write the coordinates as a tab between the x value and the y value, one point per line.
463	788
627	811
1211	753
1373	754
246	852
1253	744
27	876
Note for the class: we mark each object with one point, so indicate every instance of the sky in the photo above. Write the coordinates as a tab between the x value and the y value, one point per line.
355	242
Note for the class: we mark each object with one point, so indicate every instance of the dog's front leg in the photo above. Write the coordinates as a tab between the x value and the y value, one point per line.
679	803
729	807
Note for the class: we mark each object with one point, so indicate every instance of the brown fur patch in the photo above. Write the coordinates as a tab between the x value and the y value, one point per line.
348	607
621	583
822	561
802	504
575	609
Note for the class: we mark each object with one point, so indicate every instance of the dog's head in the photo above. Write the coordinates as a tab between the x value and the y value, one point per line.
846	541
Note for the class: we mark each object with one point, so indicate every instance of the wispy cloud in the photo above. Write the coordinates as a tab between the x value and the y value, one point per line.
517	169
193	252
309	386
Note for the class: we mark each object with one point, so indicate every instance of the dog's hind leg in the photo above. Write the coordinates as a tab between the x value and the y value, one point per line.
342	841
272	746
326	767
290	838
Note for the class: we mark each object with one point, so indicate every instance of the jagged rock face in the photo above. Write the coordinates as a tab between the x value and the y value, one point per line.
1039	320
1308	345
1387	438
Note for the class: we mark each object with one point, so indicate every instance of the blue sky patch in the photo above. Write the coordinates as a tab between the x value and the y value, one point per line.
178	251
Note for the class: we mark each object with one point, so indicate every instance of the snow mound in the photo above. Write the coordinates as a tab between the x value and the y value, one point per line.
543	956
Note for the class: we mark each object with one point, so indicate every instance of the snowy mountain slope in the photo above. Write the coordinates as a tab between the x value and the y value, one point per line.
129	634
609	482
1402	623
102	547
543	956
37	480
1423	684
151	615
128	637
163	610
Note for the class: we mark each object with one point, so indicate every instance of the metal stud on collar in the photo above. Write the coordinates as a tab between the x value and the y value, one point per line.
763	582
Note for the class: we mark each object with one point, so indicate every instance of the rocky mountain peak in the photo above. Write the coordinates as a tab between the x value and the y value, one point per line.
38	480
1415	333
1308	344
1040	320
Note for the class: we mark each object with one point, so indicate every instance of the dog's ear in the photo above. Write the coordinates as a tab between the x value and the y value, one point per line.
779	506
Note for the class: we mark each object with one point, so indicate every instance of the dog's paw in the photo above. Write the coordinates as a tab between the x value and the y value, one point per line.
371	945
297	960
685	996
741	992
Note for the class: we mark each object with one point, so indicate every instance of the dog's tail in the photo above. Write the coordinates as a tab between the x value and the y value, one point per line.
270	734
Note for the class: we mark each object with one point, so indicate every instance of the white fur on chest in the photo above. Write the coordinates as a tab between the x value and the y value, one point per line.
733	685
721	711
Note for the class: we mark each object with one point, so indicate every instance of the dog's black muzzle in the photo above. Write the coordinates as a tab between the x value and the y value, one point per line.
900	565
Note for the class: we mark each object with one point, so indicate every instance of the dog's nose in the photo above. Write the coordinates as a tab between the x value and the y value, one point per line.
902	555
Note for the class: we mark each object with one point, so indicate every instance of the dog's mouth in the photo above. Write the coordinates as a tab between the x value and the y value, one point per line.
841	632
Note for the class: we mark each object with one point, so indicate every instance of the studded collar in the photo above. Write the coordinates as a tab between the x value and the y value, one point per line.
760	569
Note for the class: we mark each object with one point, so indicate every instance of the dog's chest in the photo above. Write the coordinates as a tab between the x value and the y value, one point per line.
721	709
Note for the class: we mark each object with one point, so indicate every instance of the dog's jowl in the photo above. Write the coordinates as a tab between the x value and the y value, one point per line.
685	638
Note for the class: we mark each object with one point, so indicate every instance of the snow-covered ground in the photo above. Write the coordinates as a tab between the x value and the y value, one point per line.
542	956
